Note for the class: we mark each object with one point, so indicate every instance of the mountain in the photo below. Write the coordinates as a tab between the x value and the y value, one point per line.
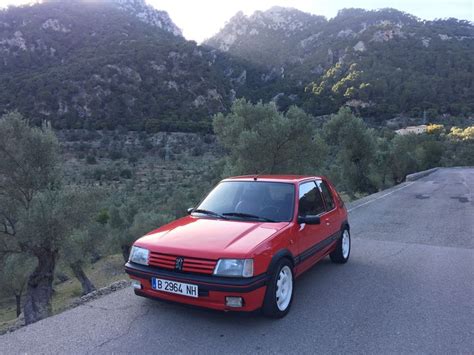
269	37
107	64
121	63
148	14
382	63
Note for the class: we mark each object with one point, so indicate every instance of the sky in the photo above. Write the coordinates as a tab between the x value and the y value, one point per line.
200	19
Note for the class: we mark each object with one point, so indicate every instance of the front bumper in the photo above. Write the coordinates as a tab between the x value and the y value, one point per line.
212	289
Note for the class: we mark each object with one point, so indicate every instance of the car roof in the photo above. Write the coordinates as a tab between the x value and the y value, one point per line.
272	178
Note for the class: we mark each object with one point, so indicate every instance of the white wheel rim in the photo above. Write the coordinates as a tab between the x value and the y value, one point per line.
346	244
284	288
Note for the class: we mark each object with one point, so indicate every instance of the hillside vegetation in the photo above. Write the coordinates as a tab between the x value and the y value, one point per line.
121	63
381	63
93	65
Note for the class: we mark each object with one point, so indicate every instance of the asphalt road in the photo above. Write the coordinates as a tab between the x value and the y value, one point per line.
408	288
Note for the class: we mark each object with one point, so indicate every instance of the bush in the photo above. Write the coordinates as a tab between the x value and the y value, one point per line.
91	160
126	174
115	154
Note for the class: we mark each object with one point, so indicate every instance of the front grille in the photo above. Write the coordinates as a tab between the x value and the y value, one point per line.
191	265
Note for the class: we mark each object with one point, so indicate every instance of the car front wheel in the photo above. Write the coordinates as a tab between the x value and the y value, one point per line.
340	255
280	288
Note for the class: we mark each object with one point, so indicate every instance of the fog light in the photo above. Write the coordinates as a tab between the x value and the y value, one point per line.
136	285
234	302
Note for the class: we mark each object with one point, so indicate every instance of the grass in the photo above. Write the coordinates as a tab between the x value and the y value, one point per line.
102	273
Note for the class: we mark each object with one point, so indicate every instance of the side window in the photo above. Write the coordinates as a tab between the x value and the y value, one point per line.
327	195
310	200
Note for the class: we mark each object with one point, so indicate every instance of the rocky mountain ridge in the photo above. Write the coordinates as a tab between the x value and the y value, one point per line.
359	58
102	65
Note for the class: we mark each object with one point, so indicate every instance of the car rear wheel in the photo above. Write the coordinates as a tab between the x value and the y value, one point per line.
340	255
280	288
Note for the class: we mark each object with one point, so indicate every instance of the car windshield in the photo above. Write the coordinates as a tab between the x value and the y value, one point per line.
250	200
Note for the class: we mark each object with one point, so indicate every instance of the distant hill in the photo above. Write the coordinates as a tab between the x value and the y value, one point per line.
121	63
108	64
382	62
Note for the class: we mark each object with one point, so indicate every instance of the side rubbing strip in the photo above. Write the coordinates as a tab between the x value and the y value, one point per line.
317	248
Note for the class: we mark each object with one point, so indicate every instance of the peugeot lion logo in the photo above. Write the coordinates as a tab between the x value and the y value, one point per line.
179	263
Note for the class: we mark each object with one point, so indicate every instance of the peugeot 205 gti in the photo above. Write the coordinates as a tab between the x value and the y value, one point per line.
243	246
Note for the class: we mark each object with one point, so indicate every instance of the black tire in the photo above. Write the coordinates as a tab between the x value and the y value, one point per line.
270	307
337	256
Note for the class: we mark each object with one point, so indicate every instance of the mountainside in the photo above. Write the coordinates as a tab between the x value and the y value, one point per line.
103	65
121	63
381	62
270	37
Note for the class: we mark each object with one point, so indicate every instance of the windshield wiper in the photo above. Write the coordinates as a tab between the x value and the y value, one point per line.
210	213
247	215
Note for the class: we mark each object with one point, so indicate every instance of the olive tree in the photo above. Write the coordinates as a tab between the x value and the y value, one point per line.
352	151
260	139
37	213
128	224
77	246
14	273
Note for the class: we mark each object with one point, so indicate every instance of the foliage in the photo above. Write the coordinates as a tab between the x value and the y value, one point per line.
462	134
435	129
14	272
359	159
382	62
36	212
262	140
128	222
352	145
105	68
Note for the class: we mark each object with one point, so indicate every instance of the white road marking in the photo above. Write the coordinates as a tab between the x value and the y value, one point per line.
378	198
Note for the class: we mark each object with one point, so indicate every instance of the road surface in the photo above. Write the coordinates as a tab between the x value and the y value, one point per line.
408	288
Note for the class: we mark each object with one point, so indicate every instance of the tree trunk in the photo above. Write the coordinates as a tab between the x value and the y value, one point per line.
125	252
87	285
40	288
18	304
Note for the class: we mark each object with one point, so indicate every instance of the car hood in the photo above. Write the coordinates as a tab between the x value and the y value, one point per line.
209	238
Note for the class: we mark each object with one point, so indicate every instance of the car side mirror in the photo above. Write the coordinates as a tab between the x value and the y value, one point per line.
309	219
190	210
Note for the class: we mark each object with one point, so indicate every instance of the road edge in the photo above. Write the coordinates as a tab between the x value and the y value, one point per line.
420	174
94	295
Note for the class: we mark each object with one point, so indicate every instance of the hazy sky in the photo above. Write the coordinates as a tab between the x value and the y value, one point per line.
200	19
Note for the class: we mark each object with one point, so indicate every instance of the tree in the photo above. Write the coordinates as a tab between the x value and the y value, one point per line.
53	217
37	213
29	164
128	224
261	140
77	246
14	274
403	158
352	146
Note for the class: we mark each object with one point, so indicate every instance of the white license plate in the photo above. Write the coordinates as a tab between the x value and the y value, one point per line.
178	288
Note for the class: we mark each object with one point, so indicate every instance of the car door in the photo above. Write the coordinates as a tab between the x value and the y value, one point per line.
331	216
310	237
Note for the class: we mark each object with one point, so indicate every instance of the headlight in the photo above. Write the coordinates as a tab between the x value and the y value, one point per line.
234	267
139	255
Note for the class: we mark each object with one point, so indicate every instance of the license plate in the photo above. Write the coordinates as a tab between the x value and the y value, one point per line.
178	288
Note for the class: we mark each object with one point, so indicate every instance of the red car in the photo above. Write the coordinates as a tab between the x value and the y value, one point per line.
243	246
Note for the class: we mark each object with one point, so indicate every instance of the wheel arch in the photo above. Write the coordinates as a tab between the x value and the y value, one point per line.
345	225
281	254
